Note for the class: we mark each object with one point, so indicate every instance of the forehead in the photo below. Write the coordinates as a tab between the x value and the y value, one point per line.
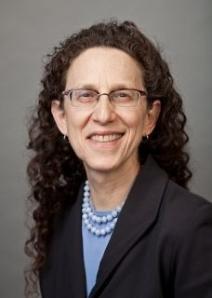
101	65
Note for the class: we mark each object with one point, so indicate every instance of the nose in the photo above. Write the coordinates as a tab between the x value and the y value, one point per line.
104	111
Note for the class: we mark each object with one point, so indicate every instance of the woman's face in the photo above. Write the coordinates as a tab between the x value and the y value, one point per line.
104	70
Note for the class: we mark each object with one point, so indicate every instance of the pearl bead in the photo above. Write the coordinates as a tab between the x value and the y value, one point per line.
108	229
114	213
86	205
112	225
84	216
86	193
93	230
103	232
104	219
98	220
97	232
86	187
118	209
109	217
88	209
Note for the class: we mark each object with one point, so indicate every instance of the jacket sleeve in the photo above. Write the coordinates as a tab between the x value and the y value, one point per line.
193	256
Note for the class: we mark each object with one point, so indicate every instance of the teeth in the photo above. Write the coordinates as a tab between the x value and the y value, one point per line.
106	138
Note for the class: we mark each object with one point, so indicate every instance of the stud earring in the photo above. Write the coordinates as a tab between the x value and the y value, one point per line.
145	139
64	137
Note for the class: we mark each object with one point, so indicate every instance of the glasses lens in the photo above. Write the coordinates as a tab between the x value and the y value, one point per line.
83	97
125	97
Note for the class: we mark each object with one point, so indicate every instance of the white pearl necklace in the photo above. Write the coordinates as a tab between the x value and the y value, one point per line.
96	224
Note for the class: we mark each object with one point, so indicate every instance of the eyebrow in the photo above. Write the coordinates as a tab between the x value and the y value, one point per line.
114	87
87	86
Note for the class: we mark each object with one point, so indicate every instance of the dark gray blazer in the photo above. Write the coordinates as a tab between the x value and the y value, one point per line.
161	246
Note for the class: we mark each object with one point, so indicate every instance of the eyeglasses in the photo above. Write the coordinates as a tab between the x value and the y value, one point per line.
85	98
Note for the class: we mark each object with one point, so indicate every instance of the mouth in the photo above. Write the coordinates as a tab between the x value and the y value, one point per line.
105	138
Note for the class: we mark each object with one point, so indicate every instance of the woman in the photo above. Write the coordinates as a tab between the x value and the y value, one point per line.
113	217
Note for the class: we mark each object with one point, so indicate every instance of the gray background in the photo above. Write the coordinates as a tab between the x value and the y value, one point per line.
29	29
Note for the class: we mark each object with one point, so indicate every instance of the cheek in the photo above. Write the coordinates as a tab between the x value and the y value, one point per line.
136	125
75	123
135	122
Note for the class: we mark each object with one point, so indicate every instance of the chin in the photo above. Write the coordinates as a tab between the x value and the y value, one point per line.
104	166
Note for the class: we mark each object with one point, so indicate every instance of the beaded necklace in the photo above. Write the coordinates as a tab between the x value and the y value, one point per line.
98	225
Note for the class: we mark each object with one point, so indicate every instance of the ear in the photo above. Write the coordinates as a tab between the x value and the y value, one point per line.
152	116
59	116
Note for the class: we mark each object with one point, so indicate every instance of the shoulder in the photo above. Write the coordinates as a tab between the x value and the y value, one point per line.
184	212
185	241
179	200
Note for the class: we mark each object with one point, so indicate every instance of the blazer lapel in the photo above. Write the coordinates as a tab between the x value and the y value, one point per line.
138	214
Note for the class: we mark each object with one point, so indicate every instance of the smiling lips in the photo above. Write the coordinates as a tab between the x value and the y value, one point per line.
105	137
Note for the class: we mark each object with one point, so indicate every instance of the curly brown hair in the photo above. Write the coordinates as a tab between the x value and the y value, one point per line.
55	172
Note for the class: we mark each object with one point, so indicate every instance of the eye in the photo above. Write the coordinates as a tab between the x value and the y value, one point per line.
84	95
122	95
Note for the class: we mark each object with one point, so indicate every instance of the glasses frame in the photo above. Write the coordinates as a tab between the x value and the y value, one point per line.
70	91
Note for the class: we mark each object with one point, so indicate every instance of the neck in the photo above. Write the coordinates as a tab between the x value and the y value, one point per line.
110	189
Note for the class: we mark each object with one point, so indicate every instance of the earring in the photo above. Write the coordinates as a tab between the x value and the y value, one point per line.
64	137
145	139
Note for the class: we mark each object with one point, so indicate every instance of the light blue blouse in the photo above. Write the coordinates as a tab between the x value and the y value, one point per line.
93	250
